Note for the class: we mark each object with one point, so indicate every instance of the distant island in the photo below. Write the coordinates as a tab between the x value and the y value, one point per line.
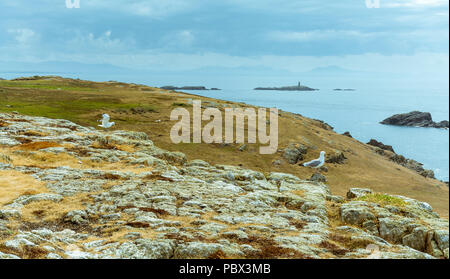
298	87
187	88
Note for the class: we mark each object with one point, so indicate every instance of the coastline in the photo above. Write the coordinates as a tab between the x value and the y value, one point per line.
294	127
359	118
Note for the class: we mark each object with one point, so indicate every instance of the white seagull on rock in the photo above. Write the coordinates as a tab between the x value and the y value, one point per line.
105	122
316	163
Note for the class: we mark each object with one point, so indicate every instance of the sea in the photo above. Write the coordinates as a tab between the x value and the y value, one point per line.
358	112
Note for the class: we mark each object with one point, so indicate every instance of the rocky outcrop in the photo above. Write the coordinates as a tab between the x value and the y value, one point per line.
318	177
381	145
322	124
337	158
415	119
347	134
388	151
114	194
412	165
398	220
357	193
294	153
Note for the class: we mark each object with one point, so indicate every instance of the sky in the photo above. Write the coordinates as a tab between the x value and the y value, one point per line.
288	35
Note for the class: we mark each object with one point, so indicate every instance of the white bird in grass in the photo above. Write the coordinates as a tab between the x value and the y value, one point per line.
105	122
316	163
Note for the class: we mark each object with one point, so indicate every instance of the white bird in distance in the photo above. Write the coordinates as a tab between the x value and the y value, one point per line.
316	163
105	121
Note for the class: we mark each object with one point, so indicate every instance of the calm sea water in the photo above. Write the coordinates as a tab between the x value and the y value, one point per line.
358	112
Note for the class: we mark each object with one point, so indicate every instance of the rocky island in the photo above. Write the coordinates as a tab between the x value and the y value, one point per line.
415	119
169	87
298	87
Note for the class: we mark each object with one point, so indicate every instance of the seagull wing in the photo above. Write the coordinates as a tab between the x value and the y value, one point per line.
313	163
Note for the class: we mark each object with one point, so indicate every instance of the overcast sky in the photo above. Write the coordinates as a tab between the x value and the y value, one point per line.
295	35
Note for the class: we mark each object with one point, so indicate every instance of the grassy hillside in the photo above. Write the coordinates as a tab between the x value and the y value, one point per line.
147	109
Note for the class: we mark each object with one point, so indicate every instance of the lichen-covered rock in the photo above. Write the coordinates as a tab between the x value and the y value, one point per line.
318	177
24	200
357	193
294	153
393	229
336	199
337	158
409	222
416	239
4	256
144	249
431	247
203	250
371	226
77	217
9	213
356	213
441	238
17	243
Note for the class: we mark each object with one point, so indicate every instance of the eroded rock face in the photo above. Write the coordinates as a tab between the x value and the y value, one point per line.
116	195
407	163
356	213
381	145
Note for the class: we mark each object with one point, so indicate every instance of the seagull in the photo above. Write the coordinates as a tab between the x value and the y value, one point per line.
105	122
316	163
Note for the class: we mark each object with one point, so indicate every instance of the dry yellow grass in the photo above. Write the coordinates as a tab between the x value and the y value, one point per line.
300	193
32	146
48	211
122	147
50	160
14	184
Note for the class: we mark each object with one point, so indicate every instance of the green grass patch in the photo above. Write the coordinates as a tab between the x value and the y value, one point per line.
44	86
73	110
383	199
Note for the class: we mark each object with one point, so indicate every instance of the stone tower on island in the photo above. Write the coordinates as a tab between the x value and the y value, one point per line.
299	84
